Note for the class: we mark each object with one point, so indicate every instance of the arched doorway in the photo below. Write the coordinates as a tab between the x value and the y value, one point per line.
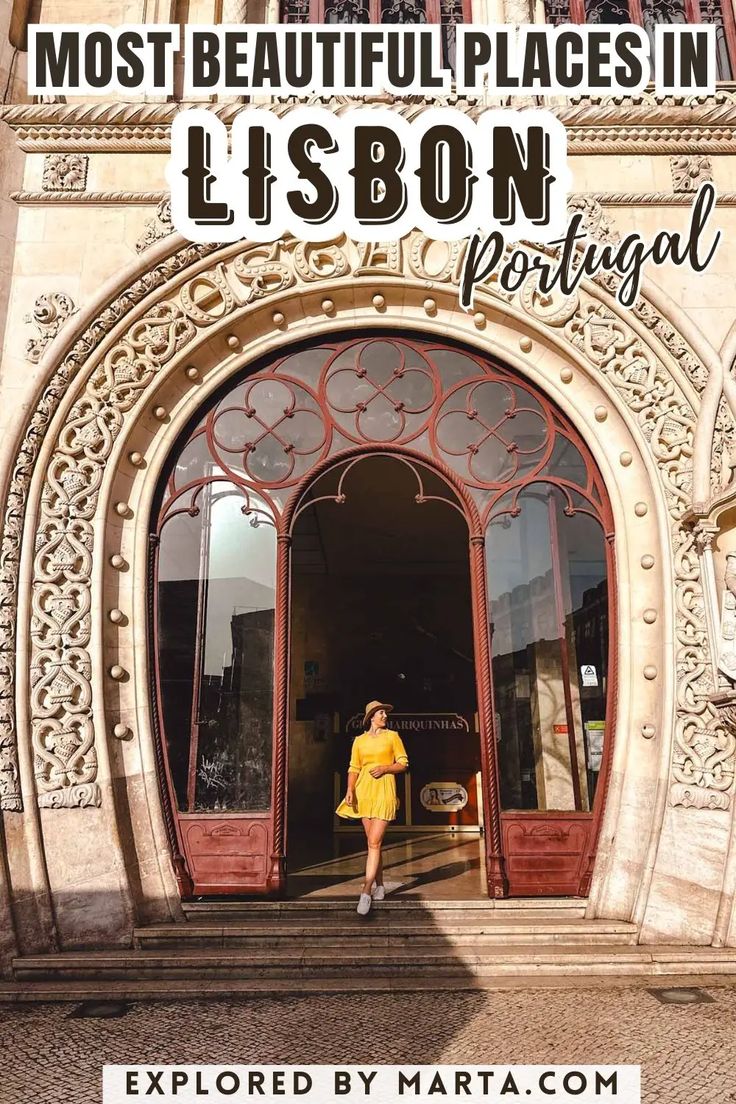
381	606
540	554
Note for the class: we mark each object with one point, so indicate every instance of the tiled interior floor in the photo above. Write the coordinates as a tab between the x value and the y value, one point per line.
438	866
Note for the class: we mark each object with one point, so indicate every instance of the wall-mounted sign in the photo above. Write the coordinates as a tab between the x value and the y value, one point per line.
443	797
589	675
594	732
408	723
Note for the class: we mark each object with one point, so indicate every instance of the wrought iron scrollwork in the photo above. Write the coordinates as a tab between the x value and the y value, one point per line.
403	11
448	13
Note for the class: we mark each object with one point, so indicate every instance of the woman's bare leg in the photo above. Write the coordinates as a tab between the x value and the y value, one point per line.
367	829
374	832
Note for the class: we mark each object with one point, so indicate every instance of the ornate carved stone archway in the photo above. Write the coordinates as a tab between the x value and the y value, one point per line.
75	675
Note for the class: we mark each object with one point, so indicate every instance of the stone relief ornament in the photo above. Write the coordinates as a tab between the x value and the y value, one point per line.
723	462
49	313
66	551
157	227
596	223
725	702
61	660
713	458
10	799
647	123
65	172
61	671
518	11
727	652
704	758
689	172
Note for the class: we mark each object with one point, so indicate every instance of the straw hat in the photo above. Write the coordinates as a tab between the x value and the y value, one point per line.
371	708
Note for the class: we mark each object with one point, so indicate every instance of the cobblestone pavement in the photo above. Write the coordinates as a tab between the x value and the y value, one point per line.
687	1053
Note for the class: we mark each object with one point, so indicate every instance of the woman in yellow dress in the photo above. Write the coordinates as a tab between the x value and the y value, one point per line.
377	756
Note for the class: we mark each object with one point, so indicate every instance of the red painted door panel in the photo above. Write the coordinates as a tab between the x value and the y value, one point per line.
226	856
545	852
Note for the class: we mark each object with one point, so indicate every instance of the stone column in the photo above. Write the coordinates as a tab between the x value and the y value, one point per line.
518	11
234	11
8	940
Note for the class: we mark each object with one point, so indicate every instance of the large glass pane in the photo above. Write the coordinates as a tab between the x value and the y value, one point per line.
584	584
548	606
492	431
379	390
216	599
176	629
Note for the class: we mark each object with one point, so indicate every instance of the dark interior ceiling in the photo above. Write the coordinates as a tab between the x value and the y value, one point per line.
380	527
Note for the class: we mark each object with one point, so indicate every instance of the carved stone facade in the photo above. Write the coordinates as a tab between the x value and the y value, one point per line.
61	664
689	172
727	654
65	172
98	395
157	227
49	314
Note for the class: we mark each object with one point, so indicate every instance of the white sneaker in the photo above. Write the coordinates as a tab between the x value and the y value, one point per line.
364	904
378	893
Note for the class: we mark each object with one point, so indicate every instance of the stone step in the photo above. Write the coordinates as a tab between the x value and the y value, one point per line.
353	969
324	906
657	975
382	931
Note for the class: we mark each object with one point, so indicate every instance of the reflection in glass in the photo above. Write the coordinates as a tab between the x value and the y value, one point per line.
547	584
661	11
216	599
566	463
296	11
193	461
376	389
493	431
454	367
306	365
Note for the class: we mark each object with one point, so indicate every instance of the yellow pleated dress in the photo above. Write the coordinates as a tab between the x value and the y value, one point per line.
374	797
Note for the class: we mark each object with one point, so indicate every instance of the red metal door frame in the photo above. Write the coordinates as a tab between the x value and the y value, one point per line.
181	823
497	883
559	826
270	875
